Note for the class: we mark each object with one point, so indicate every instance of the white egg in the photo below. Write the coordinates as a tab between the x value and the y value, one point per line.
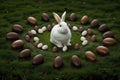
36	39
40	31
45	47
75	28
44	28
39	45
84	33
85	42
33	32
82	38
64	49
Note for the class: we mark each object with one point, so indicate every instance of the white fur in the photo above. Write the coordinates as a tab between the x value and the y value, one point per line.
36	39
60	36
45	47
33	32
39	45
75	28
40	31
84	33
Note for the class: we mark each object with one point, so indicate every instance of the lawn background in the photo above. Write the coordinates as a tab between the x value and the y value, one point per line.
17	11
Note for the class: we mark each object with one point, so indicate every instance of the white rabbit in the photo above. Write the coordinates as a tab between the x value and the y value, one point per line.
60	33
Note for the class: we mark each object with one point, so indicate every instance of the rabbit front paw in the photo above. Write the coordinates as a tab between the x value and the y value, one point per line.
68	44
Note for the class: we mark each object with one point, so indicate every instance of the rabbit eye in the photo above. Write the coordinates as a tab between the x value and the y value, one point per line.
60	25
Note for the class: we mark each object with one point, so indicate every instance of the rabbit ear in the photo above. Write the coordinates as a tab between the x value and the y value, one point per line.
63	16
57	17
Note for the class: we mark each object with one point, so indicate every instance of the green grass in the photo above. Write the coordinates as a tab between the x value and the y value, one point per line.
17	11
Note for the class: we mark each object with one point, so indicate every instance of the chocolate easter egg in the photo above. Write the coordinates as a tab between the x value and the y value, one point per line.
17	28
89	55
25	53
17	44
84	19
108	34
75	61
32	20
73	17
103	28
109	41
76	46
12	36
38	59
102	50
45	17
58	62
94	23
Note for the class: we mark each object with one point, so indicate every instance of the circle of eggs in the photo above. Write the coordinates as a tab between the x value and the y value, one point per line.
43	46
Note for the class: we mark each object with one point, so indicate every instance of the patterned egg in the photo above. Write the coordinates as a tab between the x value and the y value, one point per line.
54	49
38	59
58	62
76	46
108	34
70	26
109	41
36	43
49	27
30	33
80	29
45	17
102	50
84	19
93	38
89	55
73	17
12	36
32	20
17	28
25	53
94	23
103	28
17	44
27	38
75	61
36	28
89	32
